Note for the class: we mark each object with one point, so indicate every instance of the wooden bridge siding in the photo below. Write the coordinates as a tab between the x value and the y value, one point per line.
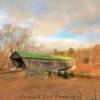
40	67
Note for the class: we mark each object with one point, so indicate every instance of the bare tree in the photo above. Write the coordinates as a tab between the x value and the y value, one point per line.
13	41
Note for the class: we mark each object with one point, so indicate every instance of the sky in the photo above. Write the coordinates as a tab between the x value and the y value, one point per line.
54	21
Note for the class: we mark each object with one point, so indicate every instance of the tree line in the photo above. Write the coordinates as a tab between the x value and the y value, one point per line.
82	55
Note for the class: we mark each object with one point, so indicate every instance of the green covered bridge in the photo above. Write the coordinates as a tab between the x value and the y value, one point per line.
35	63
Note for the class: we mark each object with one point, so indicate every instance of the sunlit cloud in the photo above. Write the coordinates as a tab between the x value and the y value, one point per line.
47	27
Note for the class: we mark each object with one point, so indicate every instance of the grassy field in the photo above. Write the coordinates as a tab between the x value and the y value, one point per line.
16	87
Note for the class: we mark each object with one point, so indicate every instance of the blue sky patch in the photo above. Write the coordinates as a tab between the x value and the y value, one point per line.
65	34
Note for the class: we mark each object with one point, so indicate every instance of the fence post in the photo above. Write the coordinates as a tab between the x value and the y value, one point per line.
80	95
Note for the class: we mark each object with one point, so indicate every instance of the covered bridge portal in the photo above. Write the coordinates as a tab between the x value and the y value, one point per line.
36	63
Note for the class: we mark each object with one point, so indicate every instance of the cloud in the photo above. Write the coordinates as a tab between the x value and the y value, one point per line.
51	16
49	26
60	44
84	12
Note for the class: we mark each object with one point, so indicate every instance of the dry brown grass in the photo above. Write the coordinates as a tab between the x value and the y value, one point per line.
17	87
